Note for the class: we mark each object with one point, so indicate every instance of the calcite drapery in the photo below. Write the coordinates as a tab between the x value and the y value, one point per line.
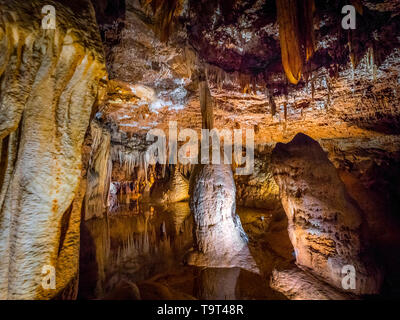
296	35
99	172
324	223
50	80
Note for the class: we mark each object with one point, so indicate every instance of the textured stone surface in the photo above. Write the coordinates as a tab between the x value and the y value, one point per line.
325	224
220	240
50	80
99	172
296	284
258	190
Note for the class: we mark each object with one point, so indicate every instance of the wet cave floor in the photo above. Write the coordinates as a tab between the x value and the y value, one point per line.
138	251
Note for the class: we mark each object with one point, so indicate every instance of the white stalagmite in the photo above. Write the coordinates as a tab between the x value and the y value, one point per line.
220	240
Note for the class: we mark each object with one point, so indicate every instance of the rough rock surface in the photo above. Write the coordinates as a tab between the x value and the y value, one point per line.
325	224
50	80
296	284
258	190
219	238
99	173
175	189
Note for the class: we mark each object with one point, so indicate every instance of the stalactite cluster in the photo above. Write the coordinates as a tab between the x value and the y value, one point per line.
166	13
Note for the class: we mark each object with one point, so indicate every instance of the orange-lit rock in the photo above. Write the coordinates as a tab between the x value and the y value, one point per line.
219	239
325	225
296	284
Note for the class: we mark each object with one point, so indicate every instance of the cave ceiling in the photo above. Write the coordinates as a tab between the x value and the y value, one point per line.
157	50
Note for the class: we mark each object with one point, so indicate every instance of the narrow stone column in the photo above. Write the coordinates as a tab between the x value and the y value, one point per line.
219	239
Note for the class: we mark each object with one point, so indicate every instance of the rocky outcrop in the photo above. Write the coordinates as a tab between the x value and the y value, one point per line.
175	189
325	225
219	239
50	80
296	284
258	190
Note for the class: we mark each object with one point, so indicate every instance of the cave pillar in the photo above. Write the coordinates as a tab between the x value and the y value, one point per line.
326	226
50	80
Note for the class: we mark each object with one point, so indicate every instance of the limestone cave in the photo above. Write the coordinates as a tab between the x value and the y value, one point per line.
199	149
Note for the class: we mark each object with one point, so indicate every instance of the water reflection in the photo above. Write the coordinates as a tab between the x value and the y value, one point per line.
132	242
141	249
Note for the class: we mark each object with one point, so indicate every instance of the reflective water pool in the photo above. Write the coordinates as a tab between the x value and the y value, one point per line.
137	251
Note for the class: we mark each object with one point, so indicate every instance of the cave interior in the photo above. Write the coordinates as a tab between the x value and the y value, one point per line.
306	205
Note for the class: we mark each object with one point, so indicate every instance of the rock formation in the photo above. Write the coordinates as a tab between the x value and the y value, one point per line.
296	284
99	173
174	189
279	67
50	80
220	240
325	224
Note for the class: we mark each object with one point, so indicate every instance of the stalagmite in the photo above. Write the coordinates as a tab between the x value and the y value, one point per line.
219	239
325	225
50	80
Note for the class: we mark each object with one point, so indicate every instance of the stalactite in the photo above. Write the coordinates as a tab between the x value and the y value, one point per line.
306	27
358	5
166	12
206	105
271	101
296	35
285	110
312	88
329	89
352	56
370	62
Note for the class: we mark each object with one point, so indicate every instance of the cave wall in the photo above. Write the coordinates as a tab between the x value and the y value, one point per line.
259	189
50	80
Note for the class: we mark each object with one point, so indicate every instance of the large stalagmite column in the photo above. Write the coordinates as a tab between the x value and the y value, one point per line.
219	239
325	225
50	80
